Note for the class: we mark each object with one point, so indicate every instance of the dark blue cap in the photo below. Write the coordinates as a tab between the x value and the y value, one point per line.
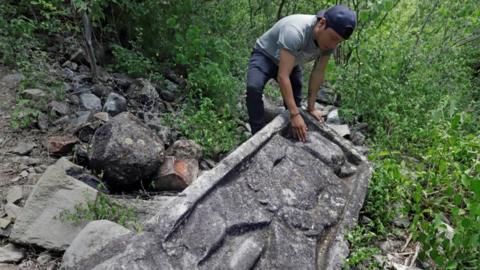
341	19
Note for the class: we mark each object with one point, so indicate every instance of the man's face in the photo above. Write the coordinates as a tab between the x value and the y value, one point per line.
327	38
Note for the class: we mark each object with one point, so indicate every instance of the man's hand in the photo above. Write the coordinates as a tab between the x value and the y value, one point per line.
299	127
316	114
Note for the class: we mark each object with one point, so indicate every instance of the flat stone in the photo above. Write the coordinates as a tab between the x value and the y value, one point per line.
10	253
43	121
102	116
6	266
4	222
176	174
92	239
23	149
34	94
12	80
61	144
61	108
56	192
14	194
341	130
12	210
90	102
80	118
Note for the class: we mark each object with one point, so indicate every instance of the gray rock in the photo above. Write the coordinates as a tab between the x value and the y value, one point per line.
185	149
23	149
101	90
165	133
61	108
34	94
334	118
14	194
90	102
6	266
390	245
126	150
12	210
167	95
327	95
56	192
12	80
358	138
80	118
92	239
44	258
10	253
341	130
4	222
71	65
143	91
270	204
115	104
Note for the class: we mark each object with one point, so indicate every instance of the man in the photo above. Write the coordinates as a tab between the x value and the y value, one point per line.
280	51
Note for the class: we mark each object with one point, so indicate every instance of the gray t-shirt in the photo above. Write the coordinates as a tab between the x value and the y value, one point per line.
295	34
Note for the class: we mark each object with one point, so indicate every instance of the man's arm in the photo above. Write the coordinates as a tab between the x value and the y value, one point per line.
287	62
316	79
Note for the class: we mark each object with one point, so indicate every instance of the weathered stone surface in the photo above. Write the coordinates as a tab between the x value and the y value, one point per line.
10	253
341	130
102	116
334	118
115	104
12	80
126	150
143	91
185	149
12	210
176	174
58	145
90	102
56	192
274	203
23	148
60	108
14	194
95	236
34	94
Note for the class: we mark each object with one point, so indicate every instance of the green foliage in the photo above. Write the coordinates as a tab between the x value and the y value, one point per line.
103	208
361	253
132	62
23	115
209	80
215	132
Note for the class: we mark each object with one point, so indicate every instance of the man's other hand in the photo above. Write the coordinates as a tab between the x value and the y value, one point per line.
316	114
299	127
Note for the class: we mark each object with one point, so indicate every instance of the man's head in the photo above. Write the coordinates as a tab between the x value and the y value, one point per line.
334	26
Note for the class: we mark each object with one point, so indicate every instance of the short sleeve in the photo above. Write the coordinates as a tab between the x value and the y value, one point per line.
290	39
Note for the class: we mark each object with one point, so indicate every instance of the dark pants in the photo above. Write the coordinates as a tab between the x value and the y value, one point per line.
261	69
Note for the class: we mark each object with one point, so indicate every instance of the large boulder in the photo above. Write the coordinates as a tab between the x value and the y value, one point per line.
127	152
40	221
